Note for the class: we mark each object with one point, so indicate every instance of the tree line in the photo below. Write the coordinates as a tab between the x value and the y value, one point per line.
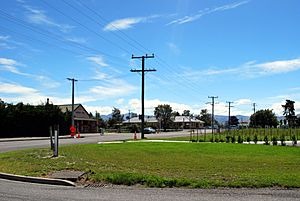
24	120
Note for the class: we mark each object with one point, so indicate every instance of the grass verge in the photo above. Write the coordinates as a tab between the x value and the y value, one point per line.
166	164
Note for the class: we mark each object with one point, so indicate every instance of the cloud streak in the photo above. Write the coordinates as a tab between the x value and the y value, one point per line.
10	65
249	70
98	60
39	17
206	11
127	23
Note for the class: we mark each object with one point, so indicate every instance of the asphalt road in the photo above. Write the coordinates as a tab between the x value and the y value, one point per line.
17	191
25	143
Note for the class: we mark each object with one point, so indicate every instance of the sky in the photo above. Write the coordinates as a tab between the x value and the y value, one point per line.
242	51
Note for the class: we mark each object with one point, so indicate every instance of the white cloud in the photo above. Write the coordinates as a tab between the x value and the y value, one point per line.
127	23
98	59
247	70
135	106
207	11
280	66
77	40
36	16
15	89
8	62
103	110
9	65
243	102
174	48
116	88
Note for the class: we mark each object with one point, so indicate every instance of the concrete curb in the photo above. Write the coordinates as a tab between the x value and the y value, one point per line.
36	180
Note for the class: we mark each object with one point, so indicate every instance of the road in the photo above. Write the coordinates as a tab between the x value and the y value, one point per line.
7	145
17	191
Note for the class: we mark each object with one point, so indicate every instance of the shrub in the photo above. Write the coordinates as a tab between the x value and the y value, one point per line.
294	140
255	139
282	139
248	139
274	140
233	139
227	139
266	140
240	139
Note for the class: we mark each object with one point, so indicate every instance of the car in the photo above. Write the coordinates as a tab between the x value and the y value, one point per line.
149	130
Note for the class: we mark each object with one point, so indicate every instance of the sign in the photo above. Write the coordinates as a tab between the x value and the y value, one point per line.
73	130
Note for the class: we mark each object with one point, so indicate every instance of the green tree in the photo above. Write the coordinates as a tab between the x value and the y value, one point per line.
116	118
263	118
175	114
234	120
205	116
289	112
164	113
186	113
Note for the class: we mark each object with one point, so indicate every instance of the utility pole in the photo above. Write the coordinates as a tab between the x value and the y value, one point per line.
73	82
229	106
254	104
143	86
212	113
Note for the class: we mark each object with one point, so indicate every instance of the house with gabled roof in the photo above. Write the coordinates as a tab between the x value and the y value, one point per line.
82	119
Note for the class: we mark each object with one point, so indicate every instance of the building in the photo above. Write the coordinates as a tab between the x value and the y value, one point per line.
82	120
188	122
180	122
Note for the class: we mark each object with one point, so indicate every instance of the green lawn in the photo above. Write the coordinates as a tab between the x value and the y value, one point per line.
167	164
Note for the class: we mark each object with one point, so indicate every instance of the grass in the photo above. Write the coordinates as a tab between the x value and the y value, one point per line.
167	164
244	135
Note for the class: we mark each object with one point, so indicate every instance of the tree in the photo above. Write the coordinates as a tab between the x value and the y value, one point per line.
186	113
289	112
164	114
263	118
116	118
205	116
234	121
175	114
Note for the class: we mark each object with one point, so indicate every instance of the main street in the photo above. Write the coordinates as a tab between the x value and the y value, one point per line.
25	143
16	191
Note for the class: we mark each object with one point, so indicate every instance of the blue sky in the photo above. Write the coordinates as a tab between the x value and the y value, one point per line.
245	51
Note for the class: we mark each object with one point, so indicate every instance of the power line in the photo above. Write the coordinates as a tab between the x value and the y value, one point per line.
160	60
81	24
143	70
53	36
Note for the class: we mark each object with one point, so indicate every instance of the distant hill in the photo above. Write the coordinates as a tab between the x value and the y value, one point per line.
222	118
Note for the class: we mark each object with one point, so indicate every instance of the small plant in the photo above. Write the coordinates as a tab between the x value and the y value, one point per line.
248	139
233	139
240	140
266	140
227	139
274	140
282	139
294	140
217	140
255	139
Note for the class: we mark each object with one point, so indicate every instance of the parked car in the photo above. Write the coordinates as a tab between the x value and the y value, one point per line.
149	130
